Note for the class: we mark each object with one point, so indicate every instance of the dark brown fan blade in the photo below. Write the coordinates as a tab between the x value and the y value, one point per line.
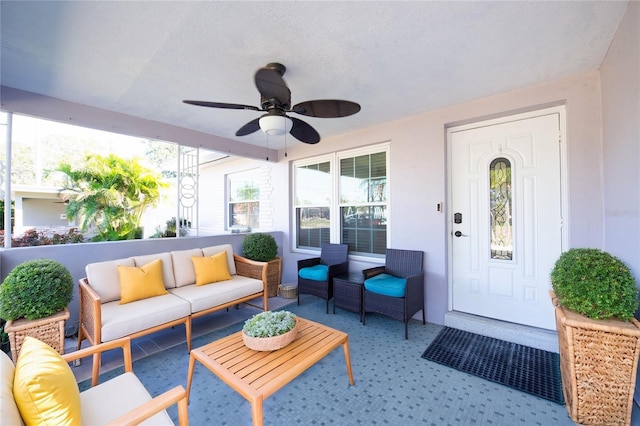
221	105
250	127
271	86
304	132
326	108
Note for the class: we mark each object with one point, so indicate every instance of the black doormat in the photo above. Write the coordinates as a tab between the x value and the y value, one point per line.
526	369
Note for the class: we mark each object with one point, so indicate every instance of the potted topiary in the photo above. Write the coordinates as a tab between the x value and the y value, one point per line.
595	298
269	331
33	300
263	248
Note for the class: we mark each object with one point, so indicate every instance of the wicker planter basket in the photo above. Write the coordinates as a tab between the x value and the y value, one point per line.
598	362
288	291
274	275
271	275
271	343
50	330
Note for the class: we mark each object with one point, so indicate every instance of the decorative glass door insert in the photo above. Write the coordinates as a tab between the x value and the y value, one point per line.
500	206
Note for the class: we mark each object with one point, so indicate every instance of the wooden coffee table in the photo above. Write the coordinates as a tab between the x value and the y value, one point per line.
257	375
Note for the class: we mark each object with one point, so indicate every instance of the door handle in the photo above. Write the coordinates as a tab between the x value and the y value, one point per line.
459	234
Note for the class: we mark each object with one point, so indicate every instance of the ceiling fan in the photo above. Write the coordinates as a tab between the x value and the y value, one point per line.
275	100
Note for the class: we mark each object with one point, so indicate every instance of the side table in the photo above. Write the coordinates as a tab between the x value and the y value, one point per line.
347	292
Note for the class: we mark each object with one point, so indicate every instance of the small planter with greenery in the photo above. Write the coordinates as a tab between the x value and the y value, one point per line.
269	331
263	248
33	300
596	297
260	247
594	283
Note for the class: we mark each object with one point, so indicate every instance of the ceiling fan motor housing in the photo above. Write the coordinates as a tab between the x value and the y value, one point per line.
281	69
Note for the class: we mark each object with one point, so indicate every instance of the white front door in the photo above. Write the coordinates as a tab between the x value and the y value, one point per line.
506	217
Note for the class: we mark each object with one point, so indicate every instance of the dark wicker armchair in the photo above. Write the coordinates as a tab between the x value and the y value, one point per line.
401	264
335	257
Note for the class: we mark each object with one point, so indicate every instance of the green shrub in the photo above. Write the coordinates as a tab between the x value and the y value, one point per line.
33	237
595	284
260	247
73	236
35	289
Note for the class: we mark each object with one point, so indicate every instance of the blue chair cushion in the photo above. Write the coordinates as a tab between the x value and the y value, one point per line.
315	273
386	284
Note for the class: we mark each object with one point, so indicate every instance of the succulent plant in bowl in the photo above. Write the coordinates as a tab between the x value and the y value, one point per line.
269	331
269	324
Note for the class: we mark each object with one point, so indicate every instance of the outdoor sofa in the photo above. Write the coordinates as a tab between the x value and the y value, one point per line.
195	282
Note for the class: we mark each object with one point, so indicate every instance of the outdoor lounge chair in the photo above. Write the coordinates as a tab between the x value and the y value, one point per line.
315	275
397	288
41	389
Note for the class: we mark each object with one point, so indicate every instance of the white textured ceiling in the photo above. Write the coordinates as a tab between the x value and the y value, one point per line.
396	59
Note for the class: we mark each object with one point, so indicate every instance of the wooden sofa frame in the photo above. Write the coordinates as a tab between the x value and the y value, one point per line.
176	395
90	326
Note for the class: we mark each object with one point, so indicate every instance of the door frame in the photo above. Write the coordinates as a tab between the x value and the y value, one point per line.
506	118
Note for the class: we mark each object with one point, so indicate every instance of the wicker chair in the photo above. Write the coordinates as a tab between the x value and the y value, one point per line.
402	264
335	256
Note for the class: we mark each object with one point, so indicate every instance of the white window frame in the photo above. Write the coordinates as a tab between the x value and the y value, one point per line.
251	175
307	162
334	205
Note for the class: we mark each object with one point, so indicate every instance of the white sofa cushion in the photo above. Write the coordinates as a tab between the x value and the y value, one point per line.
122	320
9	413
183	266
210	251
167	266
215	294
109	400
104	278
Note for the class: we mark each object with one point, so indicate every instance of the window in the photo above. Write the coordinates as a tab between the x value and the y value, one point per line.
39	146
313	204
363	202
244	199
351	186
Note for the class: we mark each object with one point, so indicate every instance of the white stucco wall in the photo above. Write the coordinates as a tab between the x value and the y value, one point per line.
620	76
213	194
418	171
418	168
620	80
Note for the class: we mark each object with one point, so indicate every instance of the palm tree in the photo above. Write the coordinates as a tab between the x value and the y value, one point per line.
112	194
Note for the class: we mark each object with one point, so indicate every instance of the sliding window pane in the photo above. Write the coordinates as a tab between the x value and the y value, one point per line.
245	214
312	226
313	185
364	229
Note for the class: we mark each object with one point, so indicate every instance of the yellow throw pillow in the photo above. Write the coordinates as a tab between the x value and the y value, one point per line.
211	269
44	387
141	283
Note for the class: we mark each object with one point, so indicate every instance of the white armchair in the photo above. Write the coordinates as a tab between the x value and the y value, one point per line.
122	400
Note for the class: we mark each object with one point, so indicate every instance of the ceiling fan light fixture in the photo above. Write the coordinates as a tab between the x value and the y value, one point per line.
276	125
275	100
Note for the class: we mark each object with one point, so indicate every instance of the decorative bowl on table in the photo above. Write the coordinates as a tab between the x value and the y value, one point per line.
270	331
